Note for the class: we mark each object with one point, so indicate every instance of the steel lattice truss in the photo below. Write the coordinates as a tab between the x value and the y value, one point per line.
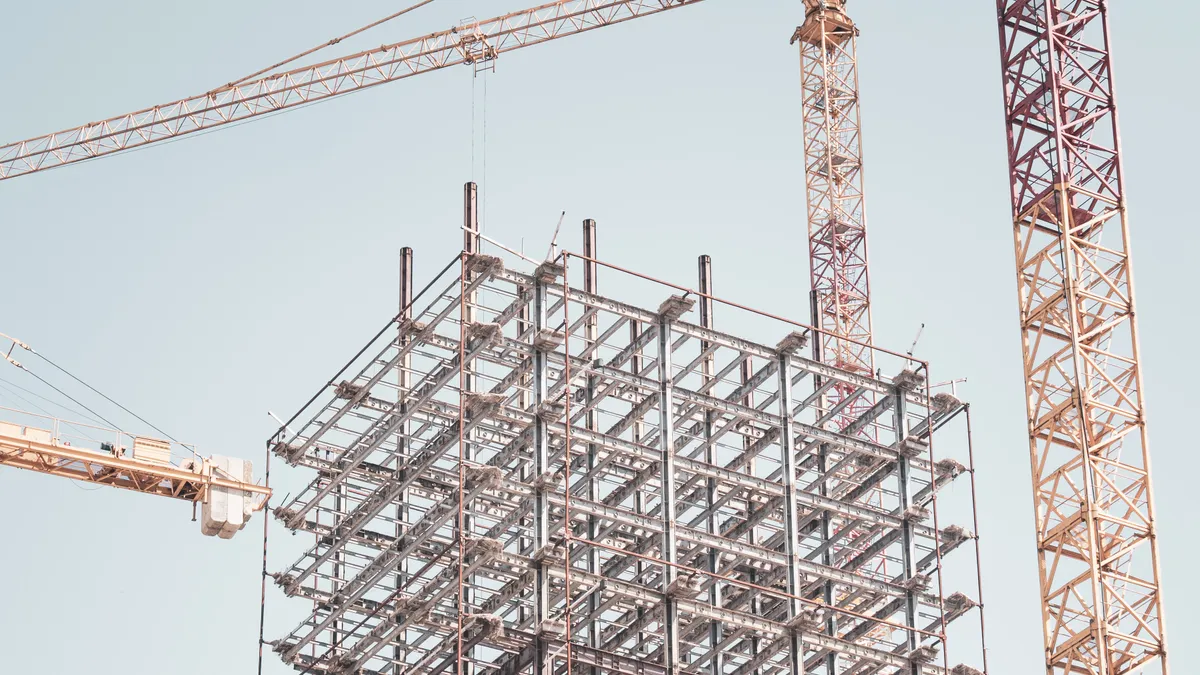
461	464
1087	436
837	228
472	43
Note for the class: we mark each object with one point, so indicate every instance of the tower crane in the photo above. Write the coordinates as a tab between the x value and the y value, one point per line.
1098	558
223	487
1097	549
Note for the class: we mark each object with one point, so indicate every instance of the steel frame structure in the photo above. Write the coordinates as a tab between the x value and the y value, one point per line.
1098	554
590	485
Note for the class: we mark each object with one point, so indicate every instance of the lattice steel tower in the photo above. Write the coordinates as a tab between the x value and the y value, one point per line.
837	228
1098	558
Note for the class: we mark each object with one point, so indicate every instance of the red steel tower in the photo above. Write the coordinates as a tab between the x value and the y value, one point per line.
1097	553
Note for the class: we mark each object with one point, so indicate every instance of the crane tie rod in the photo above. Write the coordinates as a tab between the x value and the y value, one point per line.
330	43
17	343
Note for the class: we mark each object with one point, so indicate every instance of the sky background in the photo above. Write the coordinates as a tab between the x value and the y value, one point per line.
205	282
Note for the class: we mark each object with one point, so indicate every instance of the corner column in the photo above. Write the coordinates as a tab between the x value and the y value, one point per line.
541	463
470	247
789	465
590	331
403	384
666	444
712	524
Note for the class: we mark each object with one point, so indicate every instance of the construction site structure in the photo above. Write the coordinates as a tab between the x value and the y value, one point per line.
1097	548
1098	559
521	475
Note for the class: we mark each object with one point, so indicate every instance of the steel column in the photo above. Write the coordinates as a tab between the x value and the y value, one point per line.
831	622
590	285
639	497
908	554
470	247
746	373
673	441
403	384
541	464
708	368
669	546
789	466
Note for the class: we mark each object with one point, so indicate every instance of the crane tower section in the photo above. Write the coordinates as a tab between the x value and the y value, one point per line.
834	186
1098	558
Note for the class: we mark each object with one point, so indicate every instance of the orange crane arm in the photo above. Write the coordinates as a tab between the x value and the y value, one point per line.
109	456
470	44
42	451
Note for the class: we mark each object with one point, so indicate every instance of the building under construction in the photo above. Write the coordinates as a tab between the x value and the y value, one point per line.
531	471
522	473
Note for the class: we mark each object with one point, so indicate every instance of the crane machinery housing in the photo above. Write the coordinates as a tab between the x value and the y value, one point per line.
521	474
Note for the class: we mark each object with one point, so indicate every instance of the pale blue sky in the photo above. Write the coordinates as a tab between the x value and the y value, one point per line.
208	281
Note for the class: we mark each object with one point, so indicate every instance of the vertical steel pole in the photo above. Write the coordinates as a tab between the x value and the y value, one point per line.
666	444
403	383
527	394
339	558
471	218
708	369
756	608
470	247
590	285
831	660
524	398
1097	545
789	466
541	463
907	540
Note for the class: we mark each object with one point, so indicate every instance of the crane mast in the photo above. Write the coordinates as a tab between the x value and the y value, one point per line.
837	230
1097	550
